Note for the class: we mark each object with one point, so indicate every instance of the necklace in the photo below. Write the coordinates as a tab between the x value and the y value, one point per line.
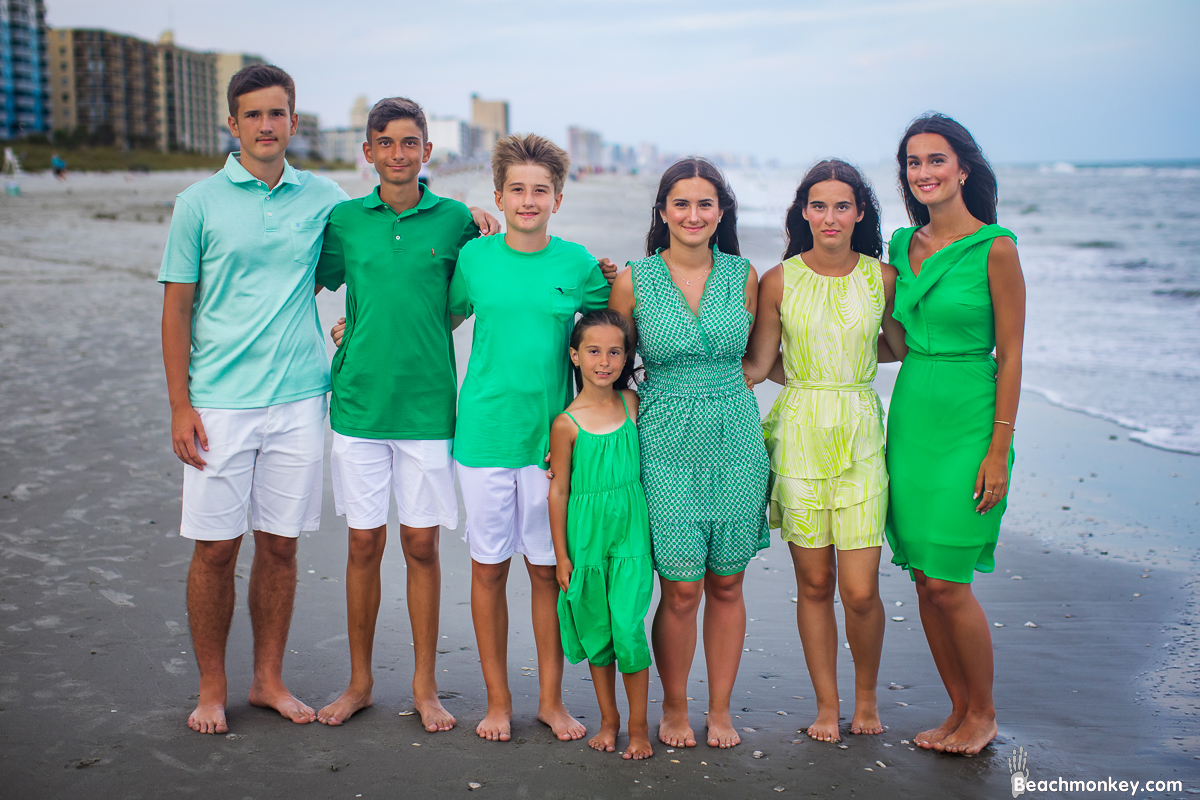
671	269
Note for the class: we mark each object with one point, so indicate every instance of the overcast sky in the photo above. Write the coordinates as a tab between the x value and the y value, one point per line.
1034	80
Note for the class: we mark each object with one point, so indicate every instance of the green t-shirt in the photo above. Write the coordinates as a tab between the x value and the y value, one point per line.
394	375
519	377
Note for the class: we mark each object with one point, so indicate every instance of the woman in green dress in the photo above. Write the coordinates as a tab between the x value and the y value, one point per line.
959	295
704	466
826	303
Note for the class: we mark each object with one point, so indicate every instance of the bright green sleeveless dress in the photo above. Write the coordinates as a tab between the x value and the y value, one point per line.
704	465
825	432
601	616
943	405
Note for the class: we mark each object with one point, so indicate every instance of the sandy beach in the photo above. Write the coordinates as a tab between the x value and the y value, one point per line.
1093	598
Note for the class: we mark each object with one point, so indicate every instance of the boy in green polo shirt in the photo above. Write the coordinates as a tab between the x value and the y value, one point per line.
524	289
392	411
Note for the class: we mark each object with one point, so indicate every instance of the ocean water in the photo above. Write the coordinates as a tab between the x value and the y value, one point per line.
1111	256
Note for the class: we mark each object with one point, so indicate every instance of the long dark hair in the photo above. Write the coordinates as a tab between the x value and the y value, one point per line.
979	192
596	319
725	238
865	239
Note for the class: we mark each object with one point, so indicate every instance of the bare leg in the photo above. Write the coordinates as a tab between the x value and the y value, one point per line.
673	635
858	574
362	610
489	612
605	681
816	578
968	631
272	596
424	604
543	604
724	635
937	634
210	600
637	688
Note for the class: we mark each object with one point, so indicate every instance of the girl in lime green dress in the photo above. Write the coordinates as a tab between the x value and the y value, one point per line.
959	294
601	528
826	303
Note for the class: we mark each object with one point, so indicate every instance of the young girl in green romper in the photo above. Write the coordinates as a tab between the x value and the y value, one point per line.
601	528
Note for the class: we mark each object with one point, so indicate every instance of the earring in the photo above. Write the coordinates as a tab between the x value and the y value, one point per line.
962	182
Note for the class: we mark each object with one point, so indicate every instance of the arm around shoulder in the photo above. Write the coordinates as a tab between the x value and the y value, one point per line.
621	298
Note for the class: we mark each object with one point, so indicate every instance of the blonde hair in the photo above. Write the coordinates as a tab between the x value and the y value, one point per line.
517	149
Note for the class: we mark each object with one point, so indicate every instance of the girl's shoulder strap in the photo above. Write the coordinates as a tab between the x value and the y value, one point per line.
624	402
577	425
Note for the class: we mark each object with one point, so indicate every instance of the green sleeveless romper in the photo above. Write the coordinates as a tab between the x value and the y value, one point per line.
940	418
602	615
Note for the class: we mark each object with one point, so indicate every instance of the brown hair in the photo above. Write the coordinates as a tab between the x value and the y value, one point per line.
529	148
394	108
259	76
725	237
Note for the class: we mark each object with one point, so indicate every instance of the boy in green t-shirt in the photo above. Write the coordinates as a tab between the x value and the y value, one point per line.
524	289
392	411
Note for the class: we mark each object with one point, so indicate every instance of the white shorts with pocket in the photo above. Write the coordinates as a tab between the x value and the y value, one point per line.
507	513
265	461
420	472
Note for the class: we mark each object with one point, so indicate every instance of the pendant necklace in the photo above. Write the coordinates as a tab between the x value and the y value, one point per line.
685	280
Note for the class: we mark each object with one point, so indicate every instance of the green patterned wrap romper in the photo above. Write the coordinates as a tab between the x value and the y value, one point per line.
704	463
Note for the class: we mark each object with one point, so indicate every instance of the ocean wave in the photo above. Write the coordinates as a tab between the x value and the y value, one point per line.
1163	438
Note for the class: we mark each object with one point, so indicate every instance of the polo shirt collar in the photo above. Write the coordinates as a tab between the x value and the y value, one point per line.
428	200
239	174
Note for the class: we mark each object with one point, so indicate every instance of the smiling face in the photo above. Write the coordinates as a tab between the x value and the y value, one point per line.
528	198
934	173
264	123
398	151
692	212
831	213
601	355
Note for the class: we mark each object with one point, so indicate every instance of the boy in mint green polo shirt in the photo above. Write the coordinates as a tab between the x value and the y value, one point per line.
524	289
394	387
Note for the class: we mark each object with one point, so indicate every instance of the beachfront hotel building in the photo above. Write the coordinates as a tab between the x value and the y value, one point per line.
24	82
187	99
228	64
103	85
585	149
490	117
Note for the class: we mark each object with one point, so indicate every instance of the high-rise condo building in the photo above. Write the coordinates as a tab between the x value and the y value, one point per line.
24	82
491	118
187	106
228	65
105	85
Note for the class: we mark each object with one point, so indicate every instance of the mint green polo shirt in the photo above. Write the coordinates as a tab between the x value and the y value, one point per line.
519	376
394	375
252	253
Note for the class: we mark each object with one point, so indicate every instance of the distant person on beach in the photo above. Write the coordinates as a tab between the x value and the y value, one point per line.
959	295
825	303
524	289
247	376
58	166
392	413
601	530
691	303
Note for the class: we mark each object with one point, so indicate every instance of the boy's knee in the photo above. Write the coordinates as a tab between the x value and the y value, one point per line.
277	548
220	555
489	574
421	547
366	546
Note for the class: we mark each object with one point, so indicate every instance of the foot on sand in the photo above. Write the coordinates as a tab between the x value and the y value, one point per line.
434	716
866	721
283	701
209	717
930	739
639	744
565	726
674	730
721	732
970	737
352	701
825	728
496	726
606	739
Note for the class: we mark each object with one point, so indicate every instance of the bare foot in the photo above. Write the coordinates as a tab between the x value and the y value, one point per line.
283	701
825	729
866	721
434	716
639	744
721	732
340	710
209	716
565	726
932	738
971	736
674	730
606	739
496	726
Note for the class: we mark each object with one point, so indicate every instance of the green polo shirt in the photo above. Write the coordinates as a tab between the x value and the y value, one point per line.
519	376
251	251
394	374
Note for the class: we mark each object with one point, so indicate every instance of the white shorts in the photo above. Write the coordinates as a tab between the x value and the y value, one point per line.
507	513
420	472
267	461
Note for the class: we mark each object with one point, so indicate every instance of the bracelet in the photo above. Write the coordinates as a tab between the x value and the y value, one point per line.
1000	422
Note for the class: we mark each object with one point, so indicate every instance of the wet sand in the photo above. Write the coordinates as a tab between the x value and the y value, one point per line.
96	671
